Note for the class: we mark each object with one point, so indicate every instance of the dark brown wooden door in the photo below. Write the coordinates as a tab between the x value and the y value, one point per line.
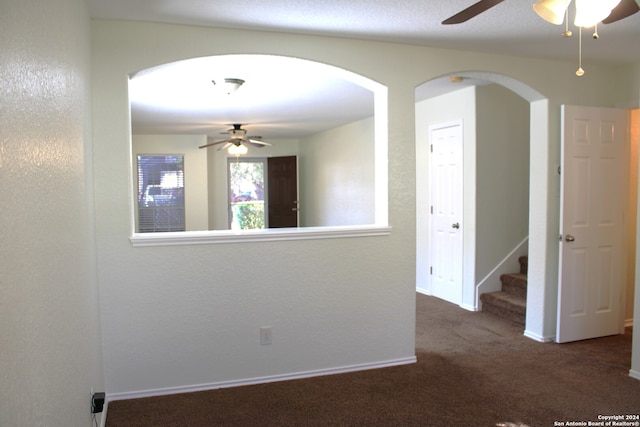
282	187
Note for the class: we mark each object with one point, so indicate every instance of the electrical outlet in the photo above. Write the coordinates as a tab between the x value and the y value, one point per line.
265	335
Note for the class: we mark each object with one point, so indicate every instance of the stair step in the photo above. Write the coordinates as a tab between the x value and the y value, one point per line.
514	283
506	305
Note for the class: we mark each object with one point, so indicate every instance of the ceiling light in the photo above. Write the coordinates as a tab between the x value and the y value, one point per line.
552	10
456	79
588	14
237	150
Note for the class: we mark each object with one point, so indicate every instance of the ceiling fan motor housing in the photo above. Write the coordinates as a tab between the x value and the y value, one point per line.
237	133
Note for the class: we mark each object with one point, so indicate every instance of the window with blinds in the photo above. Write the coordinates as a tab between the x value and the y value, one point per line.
160	193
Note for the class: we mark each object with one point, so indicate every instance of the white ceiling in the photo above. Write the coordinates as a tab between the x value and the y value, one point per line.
511	27
276	100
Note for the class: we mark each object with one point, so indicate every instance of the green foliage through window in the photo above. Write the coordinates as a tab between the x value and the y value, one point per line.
246	193
249	215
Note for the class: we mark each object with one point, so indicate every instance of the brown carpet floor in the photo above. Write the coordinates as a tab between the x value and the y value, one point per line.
473	369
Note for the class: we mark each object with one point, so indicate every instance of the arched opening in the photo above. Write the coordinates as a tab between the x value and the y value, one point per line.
489	246
325	117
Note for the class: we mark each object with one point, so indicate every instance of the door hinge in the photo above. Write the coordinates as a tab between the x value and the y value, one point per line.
431	147
559	170
431	210
431	270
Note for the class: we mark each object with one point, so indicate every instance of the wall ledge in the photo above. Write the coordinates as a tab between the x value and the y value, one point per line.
244	236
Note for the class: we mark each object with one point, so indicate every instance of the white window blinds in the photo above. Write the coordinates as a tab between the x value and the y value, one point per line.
160	193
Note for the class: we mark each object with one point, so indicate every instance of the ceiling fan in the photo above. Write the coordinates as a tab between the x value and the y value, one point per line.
624	9
237	138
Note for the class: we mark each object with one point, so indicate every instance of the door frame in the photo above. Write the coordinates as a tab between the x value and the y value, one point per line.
469	299
458	124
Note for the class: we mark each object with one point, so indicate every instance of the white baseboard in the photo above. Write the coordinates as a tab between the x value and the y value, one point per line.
469	307
634	374
258	380
423	291
537	337
628	323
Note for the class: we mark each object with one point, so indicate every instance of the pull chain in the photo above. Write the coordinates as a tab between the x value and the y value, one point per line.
580	71
567	31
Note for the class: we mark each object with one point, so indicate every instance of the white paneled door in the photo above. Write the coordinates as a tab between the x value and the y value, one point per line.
593	201
445	177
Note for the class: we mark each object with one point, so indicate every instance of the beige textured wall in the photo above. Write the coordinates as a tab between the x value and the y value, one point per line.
502	175
337	170
329	301
49	320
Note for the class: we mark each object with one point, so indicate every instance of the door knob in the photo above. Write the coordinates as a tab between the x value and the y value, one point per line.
569	238
456	225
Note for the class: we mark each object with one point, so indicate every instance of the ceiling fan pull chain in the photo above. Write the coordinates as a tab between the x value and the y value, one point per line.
580	71
567	31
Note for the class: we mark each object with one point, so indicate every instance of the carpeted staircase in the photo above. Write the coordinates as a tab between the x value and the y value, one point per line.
511	302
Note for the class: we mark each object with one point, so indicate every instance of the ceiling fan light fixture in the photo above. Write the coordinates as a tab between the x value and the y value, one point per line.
237	150
590	12
237	132
552	11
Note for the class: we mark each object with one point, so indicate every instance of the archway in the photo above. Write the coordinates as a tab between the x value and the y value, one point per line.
541	297
277	101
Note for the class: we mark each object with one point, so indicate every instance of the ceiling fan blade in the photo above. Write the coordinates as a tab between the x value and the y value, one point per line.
225	146
257	143
622	10
471	12
213	143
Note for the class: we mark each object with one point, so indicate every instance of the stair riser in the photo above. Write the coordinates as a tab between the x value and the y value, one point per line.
505	305
510	303
496	300
518	318
514	285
